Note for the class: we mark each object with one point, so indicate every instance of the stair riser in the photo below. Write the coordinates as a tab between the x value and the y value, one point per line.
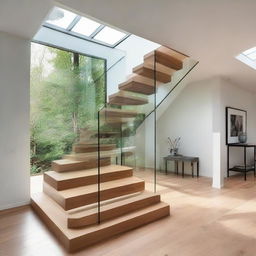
161	77
84	181
121	101
84	158
138	88
119	228
83	241
113	213
113	114
80	165
87	149
90	198
165	60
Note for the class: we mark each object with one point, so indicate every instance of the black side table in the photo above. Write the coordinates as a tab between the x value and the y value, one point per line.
180	158
243	168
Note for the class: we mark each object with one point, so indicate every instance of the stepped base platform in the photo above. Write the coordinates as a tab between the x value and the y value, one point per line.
76	239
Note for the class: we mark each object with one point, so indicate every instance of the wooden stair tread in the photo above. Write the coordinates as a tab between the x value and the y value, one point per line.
115	120
113	112
66	180
139	84
69	193
162	74
75	239
92	155
121	98
85	195
167	57
87	148
83	217
64	165
93	145
85	173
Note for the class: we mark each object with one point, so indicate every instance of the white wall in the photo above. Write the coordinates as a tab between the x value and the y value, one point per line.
189	116
135	48
14	124
197	115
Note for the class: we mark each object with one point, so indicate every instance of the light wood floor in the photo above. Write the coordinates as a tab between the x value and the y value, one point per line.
203	222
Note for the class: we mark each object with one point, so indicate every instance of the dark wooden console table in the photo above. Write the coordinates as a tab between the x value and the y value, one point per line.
180	158
243	168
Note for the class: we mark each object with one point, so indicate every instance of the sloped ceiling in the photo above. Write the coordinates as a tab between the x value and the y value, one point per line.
211	31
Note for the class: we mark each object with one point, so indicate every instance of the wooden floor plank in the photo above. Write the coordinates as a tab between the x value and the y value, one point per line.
204	221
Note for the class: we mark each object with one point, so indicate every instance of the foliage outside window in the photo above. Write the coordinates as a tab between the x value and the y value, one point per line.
67	90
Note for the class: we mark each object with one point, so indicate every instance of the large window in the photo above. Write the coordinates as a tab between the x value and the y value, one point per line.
67	90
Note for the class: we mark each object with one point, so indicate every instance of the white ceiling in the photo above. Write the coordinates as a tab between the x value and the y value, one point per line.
211	31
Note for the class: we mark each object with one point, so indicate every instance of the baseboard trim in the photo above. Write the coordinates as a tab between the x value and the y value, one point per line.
14	205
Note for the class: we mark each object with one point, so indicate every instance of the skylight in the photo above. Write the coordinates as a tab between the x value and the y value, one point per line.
73	24
109	35
60	18
248	57
85	26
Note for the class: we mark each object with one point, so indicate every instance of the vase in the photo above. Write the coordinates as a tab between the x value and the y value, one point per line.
242	137
174	151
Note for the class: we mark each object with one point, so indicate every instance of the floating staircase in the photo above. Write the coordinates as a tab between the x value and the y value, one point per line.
86	198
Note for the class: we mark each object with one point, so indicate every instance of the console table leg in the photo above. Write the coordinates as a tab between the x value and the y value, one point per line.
197	170
182	169
176	168
165	167
192	166
254	162
245	151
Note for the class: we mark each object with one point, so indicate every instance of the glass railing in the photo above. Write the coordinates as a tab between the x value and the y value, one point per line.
128	120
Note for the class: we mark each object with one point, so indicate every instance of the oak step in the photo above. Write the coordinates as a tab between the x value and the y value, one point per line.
162	74
76	239
93	156
115	120
138	84
82	217
67	180
118	113
84	148
106	134
80	196
122	98
66	165
166	57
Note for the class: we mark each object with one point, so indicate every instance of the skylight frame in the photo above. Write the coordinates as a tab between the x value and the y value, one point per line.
90	38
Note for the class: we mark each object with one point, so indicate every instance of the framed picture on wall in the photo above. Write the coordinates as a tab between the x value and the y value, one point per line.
236	123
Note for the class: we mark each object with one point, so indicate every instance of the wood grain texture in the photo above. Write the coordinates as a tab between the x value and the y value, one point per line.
204	221
113	112
166	57
76	239
66	180
121	98
81	218
85	148
138	84
85	195
66	165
